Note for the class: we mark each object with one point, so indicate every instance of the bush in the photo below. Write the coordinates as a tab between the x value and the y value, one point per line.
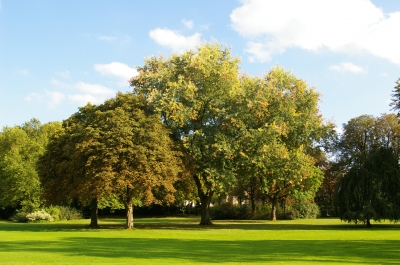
224	211
20	217
304	210
41	215
69	213
261	212
54	211
242	212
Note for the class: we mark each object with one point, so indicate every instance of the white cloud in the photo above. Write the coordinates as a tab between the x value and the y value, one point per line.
107	38
174	40
338	25
83	99
80	93
93	93
347	67
94	89
120	70
187	23
54	98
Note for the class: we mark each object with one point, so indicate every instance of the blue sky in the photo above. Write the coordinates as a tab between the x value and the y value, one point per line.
58	55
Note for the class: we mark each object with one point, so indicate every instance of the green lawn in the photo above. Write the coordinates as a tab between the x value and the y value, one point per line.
182	241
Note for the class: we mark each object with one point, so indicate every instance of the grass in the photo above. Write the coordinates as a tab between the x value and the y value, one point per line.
182	241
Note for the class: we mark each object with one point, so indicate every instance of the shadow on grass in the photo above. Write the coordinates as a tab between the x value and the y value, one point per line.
215	251
188	224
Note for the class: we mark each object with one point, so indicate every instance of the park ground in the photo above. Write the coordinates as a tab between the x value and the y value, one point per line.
183	241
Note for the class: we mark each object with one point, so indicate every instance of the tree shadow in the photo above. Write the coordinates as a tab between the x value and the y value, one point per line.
215	251
189	224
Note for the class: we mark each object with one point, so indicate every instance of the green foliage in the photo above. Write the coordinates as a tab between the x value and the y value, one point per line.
54	211
20	217
64	213
193	92
264	130
369	159
20	149
280	127
118	151
395	104
69	213
228	211
370	191
303	210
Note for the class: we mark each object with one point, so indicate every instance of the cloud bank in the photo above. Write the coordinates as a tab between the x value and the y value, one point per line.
357	26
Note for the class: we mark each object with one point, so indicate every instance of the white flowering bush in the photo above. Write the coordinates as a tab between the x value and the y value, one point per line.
39	216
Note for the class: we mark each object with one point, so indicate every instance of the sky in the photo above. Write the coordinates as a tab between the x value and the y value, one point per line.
56	56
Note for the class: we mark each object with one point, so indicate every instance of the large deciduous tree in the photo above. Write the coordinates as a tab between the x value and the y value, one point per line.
116	148
368	155
20	149
193	92
279	126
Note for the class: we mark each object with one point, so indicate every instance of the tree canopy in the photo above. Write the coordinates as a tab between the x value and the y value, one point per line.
193	92
279	125
369	159
119	147
20	149
232	125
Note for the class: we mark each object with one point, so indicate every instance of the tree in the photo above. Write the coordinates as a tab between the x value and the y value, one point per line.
370	190
368	157
193	92
119	147
395	104
279	126
20	148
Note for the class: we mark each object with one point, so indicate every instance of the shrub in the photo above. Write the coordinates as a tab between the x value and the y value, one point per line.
41	215
224	211
262	212
300	210
304	210
69	213
54	211
20	217
242	212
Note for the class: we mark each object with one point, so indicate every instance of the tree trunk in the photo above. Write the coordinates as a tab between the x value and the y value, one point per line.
252	196
284	208
369	223
205	199
93	212
205	210
273	210
129	209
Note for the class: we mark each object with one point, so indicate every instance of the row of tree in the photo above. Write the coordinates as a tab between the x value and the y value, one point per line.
194	123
